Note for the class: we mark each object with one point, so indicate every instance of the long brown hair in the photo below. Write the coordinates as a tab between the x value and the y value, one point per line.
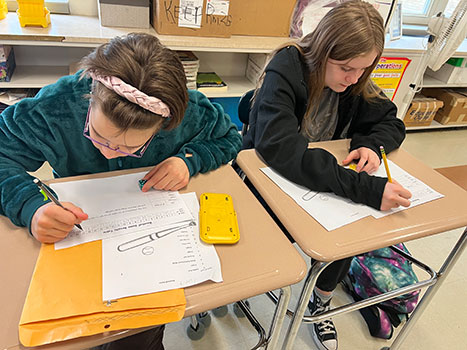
140	60
349	30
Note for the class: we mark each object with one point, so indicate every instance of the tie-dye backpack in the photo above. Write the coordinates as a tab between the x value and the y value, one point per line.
380	271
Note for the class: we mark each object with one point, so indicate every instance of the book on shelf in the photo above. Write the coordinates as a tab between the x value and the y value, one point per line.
10	96
190	64
210	82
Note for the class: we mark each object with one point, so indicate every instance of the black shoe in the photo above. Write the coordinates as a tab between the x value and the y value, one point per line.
324	333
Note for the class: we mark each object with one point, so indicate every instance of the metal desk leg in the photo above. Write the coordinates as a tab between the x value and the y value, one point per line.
450	261
276	324
305	295
278	318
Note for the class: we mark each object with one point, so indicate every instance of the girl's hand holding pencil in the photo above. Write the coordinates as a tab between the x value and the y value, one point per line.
51	223
394	194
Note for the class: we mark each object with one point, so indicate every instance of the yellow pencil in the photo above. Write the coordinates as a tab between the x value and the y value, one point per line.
383	153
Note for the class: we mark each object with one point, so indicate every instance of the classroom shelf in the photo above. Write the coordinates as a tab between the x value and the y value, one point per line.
34	76
40	76
237	86
68	31
435	125
430	82
84	31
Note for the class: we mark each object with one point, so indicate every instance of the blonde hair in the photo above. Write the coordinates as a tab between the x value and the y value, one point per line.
142	61
349	30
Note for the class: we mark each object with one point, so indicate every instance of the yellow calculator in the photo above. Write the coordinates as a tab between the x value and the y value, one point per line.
218	219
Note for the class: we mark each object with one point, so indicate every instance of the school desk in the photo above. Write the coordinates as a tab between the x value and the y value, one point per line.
250	267
366	234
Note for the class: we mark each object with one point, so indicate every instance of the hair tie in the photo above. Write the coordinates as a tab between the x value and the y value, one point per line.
132	94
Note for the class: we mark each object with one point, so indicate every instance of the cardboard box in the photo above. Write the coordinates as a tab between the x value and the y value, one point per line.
223	18
192	18
450	73
422	110
262	17
124	13
454	110
8	67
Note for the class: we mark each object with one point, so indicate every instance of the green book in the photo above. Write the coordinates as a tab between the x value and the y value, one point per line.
210	81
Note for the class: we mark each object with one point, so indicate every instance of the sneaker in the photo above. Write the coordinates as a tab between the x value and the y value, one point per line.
324	333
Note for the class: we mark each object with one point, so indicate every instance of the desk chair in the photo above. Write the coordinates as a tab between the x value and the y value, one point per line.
244	105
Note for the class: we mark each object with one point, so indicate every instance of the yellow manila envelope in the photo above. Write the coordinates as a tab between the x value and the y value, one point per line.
64	299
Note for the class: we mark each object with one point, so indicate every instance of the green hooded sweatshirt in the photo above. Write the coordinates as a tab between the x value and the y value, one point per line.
49	127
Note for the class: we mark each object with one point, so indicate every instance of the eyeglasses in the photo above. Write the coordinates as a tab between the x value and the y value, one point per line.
138	153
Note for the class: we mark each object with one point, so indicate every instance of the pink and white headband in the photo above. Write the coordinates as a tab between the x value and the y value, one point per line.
132	94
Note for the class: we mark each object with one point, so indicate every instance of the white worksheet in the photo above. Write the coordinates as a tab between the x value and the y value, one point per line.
117	206
332	211
421	193
175	260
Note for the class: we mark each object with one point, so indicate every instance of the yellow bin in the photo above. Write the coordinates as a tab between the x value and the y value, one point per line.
3	9
33	13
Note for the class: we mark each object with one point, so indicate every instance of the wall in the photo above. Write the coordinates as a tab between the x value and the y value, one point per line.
83	7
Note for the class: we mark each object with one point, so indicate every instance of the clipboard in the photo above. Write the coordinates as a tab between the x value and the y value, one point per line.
64	299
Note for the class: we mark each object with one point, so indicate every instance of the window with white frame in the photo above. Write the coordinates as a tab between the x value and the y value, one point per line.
418	12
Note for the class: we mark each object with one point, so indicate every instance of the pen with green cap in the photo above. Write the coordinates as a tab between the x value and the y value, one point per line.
47	194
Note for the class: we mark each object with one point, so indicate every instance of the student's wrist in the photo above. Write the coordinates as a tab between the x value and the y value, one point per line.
29	209
189	161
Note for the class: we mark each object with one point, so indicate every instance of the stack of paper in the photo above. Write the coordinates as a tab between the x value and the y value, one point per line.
191	65
150	239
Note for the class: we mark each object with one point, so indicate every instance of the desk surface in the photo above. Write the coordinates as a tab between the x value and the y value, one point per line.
247	270
369	233
457	174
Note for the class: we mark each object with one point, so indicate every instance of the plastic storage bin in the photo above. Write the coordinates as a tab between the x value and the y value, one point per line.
230	105
33	13
3	9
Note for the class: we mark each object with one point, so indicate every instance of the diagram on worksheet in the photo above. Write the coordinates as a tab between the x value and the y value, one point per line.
136	264
116	206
